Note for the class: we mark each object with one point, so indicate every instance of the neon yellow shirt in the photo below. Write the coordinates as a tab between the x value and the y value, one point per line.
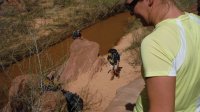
173	49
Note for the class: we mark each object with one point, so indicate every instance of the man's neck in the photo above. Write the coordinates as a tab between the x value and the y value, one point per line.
165	12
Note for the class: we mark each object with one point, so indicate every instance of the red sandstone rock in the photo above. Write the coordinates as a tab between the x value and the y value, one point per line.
83	54
17	87
126	97
51	102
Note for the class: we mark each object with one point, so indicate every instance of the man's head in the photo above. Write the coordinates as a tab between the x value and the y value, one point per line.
148	10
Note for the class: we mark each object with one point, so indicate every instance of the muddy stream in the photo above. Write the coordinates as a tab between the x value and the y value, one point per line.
107	33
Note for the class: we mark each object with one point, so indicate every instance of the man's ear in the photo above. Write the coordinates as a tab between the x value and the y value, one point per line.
150	3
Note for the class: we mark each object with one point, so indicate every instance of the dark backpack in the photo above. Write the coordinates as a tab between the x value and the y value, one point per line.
113	56
76	34
1	2
74	101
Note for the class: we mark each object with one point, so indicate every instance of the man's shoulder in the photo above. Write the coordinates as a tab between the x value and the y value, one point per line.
165	32
166	36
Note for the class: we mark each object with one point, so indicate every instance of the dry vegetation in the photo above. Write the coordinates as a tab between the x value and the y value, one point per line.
34	25
92	101
24	100
185	4
46	22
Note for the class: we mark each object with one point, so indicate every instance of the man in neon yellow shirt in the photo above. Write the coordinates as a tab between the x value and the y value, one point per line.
170	56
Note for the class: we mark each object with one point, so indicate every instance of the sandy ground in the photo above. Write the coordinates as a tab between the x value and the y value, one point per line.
100	86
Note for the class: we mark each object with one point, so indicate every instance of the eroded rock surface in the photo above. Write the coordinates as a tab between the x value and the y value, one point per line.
83	54
126	97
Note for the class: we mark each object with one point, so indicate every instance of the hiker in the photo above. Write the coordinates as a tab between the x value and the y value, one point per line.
76	34
113	58
170	57
74	101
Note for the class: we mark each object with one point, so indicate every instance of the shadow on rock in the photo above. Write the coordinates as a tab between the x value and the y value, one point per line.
129	106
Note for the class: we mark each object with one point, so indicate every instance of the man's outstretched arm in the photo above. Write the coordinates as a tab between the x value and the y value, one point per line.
161	93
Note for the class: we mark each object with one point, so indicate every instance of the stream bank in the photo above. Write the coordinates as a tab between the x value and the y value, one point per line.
106	33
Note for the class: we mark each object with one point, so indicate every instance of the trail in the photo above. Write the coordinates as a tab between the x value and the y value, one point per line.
99	85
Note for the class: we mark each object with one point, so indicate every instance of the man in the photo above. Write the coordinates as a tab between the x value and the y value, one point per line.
170	56
114	58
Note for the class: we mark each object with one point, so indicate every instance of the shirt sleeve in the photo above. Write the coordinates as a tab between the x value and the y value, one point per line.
157	60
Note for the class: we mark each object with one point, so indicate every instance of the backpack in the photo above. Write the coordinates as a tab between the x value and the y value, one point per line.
74	101
113	56
76	34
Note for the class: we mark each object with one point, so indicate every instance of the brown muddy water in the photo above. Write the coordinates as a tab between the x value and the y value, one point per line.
107	33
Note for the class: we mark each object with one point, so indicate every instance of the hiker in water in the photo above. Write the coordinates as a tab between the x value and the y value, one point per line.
76	34
114	58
